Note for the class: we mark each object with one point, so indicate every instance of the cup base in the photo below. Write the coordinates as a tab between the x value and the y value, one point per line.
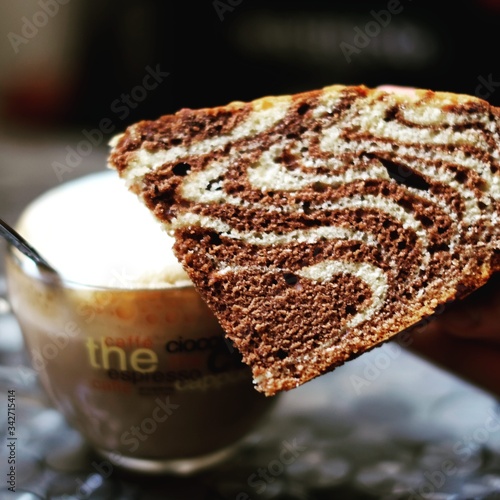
179	467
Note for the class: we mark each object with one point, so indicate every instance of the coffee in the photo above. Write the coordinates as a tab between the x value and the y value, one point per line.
133	358
94	231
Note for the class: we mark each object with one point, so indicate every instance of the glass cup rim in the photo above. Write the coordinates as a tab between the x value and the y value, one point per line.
49	277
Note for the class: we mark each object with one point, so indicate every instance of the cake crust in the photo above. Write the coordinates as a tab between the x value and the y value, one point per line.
319	225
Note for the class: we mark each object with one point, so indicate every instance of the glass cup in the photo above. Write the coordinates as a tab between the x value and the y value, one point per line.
145	374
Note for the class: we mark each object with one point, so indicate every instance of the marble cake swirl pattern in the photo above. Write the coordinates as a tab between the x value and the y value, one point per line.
319	225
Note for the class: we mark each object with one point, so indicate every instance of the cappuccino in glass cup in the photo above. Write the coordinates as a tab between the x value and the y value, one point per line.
121	341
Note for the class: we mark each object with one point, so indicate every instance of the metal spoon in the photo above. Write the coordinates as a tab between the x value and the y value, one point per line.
15	239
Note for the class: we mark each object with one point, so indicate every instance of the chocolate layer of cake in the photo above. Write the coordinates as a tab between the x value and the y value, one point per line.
317	226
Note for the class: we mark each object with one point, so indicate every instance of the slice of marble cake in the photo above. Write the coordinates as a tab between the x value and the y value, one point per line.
319	225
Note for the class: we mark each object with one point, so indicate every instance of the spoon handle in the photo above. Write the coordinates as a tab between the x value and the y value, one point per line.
14	238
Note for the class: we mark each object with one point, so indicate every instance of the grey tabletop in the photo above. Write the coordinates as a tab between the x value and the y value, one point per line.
387	425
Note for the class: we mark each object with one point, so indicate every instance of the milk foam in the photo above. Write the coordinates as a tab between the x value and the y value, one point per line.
95	232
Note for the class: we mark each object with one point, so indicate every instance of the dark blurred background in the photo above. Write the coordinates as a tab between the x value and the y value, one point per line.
72	63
